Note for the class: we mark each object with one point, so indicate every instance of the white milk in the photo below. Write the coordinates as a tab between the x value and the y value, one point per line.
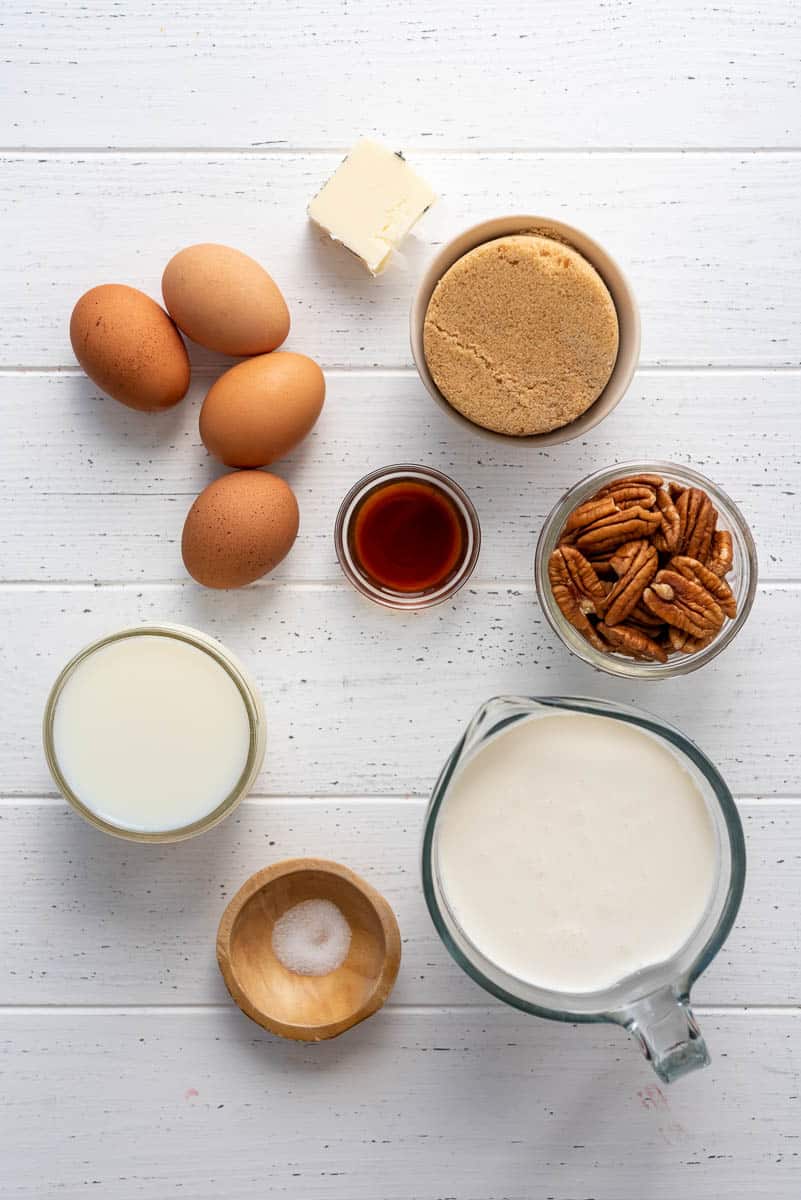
574	850
151	733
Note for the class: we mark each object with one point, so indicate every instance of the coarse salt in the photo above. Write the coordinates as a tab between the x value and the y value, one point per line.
311	938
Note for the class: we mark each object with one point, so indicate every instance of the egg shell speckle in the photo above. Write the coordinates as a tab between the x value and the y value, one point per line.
129	347
239	528
224	300
260	409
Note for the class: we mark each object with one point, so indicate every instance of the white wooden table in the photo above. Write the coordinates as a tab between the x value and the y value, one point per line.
673	134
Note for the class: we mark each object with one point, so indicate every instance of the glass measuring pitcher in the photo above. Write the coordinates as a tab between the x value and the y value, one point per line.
652	1003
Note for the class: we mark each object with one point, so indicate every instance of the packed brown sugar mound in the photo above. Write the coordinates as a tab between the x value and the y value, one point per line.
521	335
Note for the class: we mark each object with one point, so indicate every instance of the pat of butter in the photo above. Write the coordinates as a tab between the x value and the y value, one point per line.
371	202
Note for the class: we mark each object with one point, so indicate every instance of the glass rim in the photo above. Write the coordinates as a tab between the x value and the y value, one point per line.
253	707
727	915
408	601
611	662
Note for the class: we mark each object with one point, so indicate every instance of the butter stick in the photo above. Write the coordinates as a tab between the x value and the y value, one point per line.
370	203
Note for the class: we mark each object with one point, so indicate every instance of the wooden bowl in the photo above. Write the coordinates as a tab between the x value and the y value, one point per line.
308	1008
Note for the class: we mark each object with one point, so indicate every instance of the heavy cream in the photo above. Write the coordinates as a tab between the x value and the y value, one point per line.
574	850
151	733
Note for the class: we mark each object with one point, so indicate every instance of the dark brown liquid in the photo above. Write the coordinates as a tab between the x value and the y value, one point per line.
408	536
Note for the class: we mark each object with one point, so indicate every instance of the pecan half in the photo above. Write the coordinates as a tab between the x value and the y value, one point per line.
623	556
618	528
667	536
651	481
632	641
574	602
692	645
589	590
683	603
588	513
691	568
628	495
602	565
627	592
698	518
721	558
682	503
677	638
641	616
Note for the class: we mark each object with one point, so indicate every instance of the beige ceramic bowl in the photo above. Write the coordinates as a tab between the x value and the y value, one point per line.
627	314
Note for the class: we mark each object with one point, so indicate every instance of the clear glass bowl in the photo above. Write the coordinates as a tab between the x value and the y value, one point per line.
253	706
742	579
387	596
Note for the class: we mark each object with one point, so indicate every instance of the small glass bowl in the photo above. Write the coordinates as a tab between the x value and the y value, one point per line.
386	596
253	706
742	579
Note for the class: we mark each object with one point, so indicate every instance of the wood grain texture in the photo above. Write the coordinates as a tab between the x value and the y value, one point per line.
311	73
364	701
94	491
695	233
105	922
471	1104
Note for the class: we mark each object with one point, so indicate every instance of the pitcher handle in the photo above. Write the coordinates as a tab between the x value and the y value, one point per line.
668	1032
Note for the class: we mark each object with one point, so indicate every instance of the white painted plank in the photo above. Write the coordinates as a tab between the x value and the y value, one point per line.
475	1105
105	922
315	73
92	490
363	701
697	234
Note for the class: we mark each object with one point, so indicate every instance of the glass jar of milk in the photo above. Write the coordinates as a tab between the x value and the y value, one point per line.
154	733
584	861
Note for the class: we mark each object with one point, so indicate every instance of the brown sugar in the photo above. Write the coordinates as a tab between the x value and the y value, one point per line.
521	335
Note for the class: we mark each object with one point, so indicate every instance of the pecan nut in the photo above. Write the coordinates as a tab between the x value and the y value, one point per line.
621	559
618	528
683	603
641	616
632	641
667	536
574	601
693	645
602	565
721	558
590	512
588	588
677	638
651	481
698	519
691	568
627	592
627	495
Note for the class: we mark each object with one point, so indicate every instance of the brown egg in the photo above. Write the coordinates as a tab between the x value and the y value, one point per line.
129	347
224	300
239	528
259	409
